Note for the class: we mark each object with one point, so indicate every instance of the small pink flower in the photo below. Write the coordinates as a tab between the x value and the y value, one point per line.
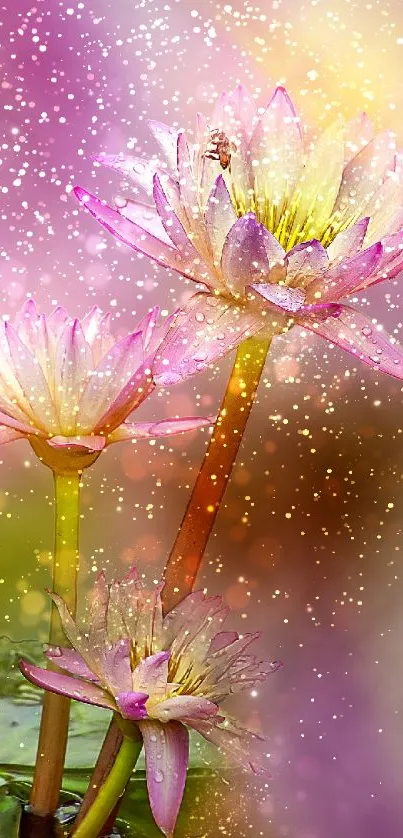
276	232
68	386
165	674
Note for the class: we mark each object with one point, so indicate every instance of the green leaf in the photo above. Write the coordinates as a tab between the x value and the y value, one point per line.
10	815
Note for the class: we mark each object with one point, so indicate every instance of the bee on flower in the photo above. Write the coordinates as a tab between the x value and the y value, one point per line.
162	674
220	148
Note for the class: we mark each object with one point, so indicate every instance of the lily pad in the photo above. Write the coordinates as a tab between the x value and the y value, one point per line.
10	814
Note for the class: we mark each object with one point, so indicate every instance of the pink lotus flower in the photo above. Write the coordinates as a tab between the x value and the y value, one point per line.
68	385
165	674
276	233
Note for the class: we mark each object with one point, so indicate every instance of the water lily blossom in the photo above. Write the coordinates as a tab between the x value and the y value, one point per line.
165	674
276	231
68	386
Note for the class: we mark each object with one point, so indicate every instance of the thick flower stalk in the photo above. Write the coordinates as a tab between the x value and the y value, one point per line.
68	386
162	674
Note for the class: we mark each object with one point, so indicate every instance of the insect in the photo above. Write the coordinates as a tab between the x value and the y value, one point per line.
220	148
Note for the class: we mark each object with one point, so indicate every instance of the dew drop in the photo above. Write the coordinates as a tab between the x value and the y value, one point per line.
366	331
199	316
158	776
120	202
139	168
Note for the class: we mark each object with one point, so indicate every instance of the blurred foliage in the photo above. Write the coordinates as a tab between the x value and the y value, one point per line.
10	814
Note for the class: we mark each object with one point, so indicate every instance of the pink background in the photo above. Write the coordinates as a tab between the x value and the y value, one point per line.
308	544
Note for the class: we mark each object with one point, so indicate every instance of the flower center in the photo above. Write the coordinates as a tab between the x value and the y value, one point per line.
281	219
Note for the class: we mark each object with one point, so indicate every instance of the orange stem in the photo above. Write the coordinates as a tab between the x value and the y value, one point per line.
198	521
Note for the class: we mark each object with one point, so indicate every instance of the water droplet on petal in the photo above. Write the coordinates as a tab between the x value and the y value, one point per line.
120	202
366	331
139	168
158	776
153	738
199	316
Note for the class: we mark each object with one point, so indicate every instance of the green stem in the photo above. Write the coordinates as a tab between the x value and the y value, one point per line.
112	790
55	713
204	503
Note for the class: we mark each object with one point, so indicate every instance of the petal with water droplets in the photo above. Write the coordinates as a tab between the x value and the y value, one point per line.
205	329
356	334
68	686
166	749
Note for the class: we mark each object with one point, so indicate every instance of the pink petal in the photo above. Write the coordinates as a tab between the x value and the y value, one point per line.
386	209
98	606
245	675
305	261
153	430
167	139
147	327
144	216
65	685
358	133
392	257
221	661
9	435
116	666
92	656
355	333
244	255
289	299
151	674
90	442
222	639
131	234
205	329
72	368
173	226
32	381
349	242
363	175
29	326
136	390
219	116
71	661
136	169
345	277
96	325
56	322
131	705
23	428
220	216
238	744
166	749
120	367
184	707
243	107
188	184
276	145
